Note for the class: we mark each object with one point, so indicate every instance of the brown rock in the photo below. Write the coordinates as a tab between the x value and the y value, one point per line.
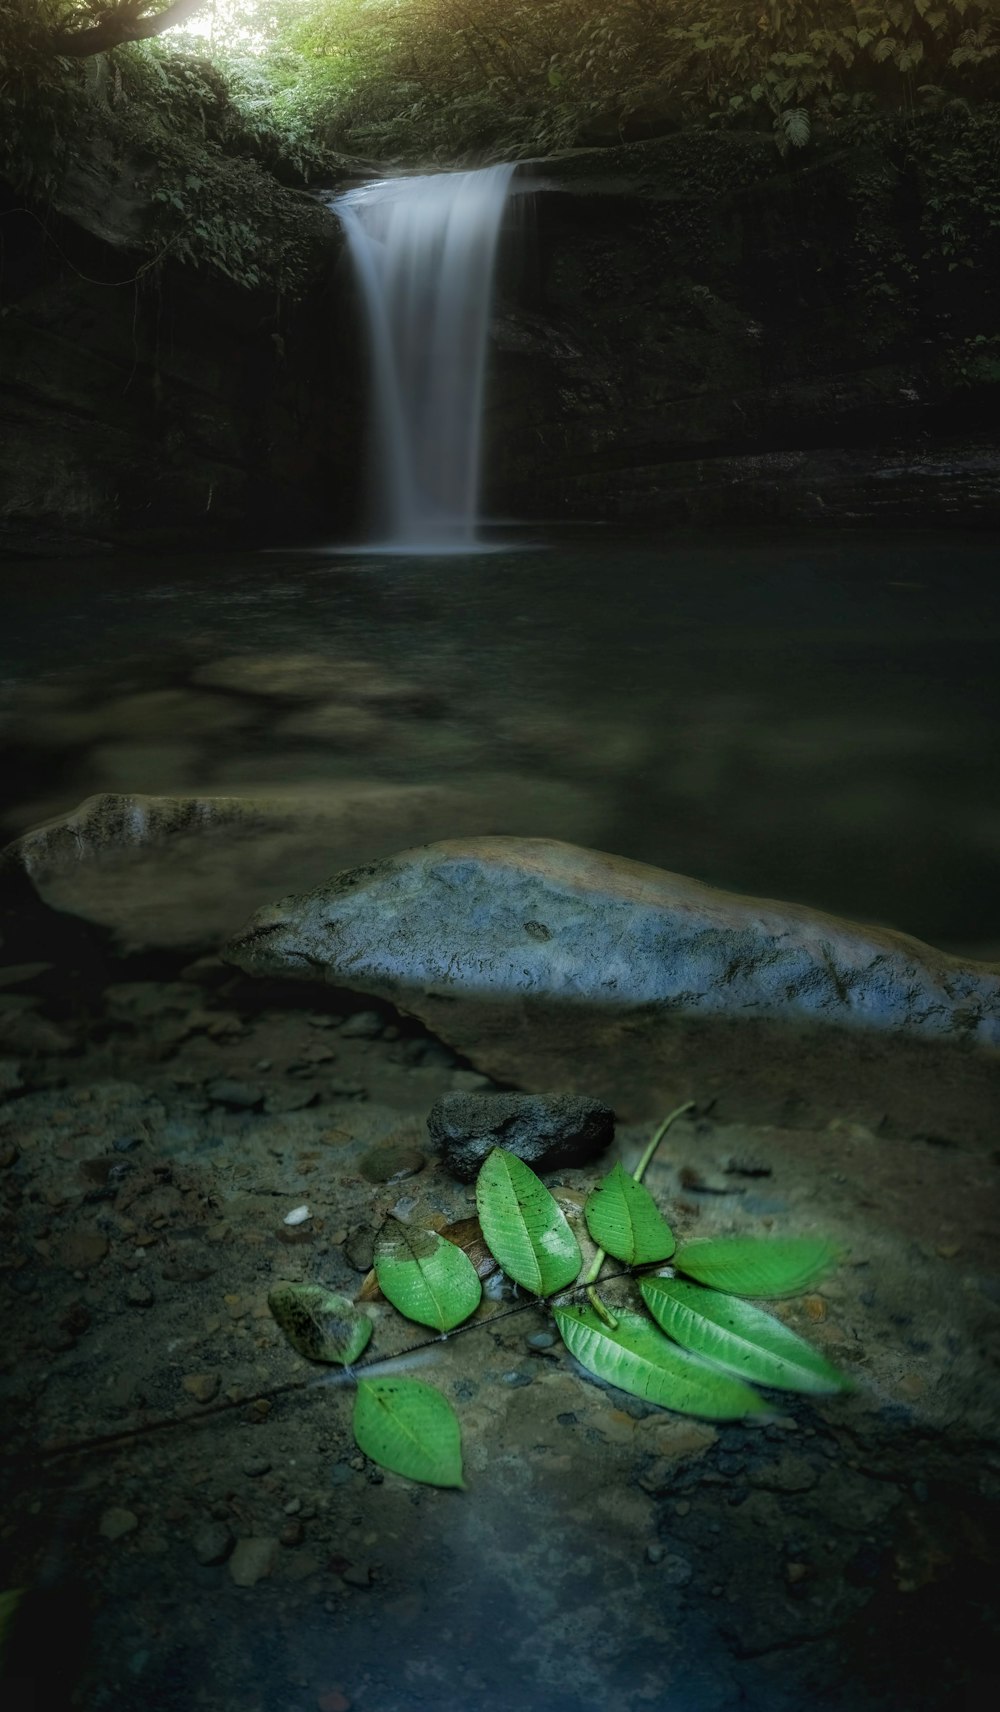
252	1560
116	1522
203	1387
81	1250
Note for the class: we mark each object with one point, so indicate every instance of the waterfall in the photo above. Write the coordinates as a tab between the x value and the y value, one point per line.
423	252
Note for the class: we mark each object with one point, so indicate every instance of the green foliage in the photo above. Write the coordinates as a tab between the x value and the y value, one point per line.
738	1336
692	1353
439	79
408	1427
43	99
427	1278
757	1266
525	1230
636	1357
212	150
319	1324
977	360
219	125
624	1220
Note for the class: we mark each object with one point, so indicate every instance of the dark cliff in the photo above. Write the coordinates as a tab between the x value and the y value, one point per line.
707	332
689	329
146	400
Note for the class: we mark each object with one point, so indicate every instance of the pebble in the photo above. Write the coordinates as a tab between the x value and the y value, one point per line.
357	1575
658	1477
242	1096
256	1465
116	1522
363	1025
201	1386
293	1506
290	1100
789	1474
359	1248
677	1572
297	1216
655	1553
541	1340
252	1560
212	1543
292	1534
139	1295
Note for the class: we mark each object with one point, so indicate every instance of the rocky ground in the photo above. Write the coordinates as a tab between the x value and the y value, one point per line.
184	1492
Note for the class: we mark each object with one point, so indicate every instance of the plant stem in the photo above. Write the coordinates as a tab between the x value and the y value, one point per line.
640	1170
638	1174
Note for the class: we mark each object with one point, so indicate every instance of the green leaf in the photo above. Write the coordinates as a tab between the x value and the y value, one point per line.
410	1428
796	125
524	1228
427	1278
738	1336
623	1219
321	1325
757	1266
637	1358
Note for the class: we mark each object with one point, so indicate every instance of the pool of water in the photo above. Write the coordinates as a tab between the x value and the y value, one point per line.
811	718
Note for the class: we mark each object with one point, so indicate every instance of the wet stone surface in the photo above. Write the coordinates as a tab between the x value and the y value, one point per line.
842	1553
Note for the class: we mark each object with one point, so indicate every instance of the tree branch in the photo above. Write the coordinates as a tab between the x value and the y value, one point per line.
122	25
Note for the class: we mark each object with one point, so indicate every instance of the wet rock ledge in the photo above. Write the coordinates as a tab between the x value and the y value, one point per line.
545	964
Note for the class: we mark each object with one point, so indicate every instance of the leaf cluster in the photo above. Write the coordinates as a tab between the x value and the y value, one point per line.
209	144
439	79
685	1339
44	101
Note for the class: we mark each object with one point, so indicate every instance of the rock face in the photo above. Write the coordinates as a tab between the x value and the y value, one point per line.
547	964
702	332
190	409
546	1131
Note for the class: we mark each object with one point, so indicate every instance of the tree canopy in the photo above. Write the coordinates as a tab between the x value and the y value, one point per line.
97	27
223	101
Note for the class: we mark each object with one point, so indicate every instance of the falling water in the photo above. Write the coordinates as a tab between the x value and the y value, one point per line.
423	251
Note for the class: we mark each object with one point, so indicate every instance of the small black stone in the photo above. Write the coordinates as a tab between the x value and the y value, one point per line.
547	1131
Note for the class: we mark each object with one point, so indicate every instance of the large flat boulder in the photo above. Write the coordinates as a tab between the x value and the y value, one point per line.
549	965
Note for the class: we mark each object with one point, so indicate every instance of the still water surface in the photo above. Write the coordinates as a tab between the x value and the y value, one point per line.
806	718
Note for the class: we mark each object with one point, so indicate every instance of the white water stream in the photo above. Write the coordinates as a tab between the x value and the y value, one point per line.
423	251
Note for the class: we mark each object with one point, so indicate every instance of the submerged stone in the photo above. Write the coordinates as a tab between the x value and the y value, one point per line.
544	963
186	871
